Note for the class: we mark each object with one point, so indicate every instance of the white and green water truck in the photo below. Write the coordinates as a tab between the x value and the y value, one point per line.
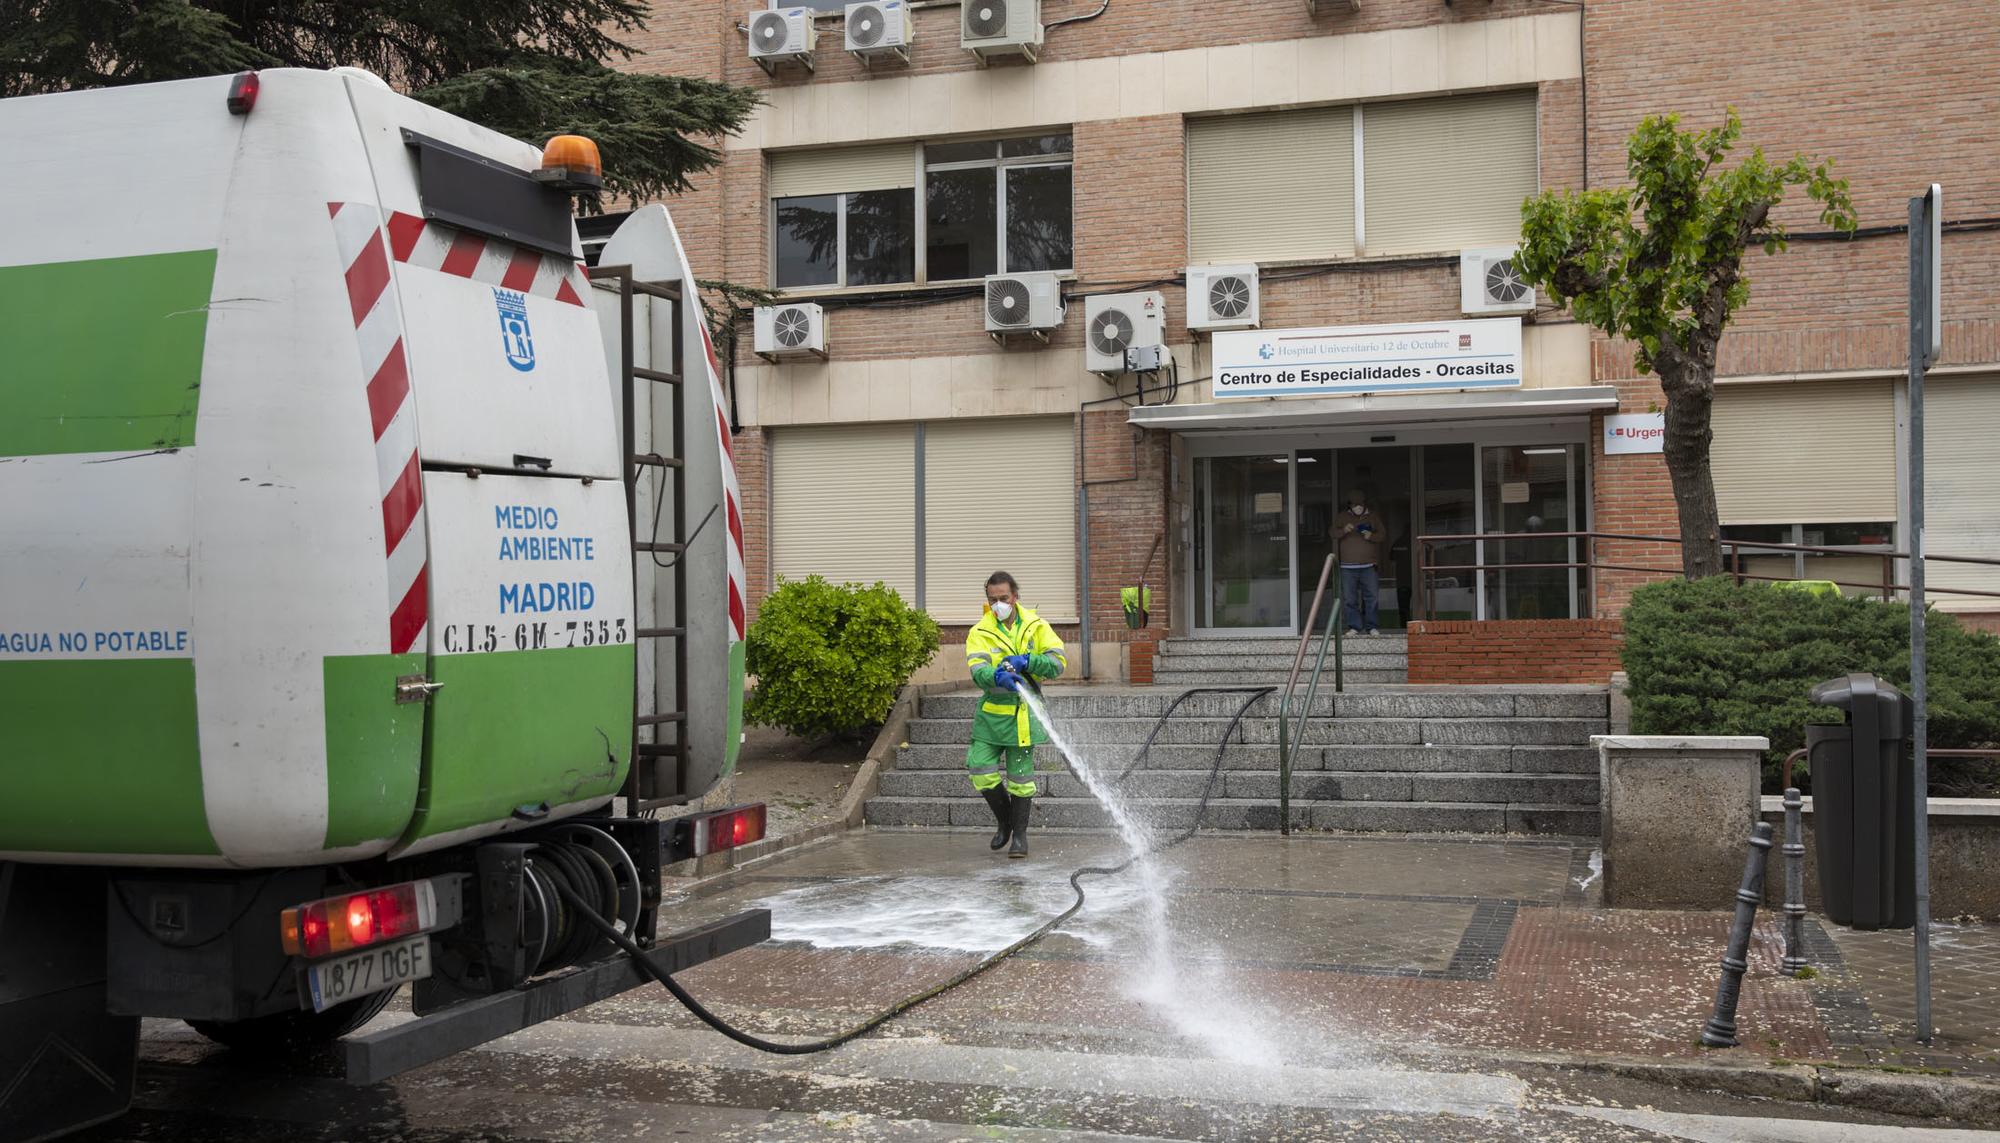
325	663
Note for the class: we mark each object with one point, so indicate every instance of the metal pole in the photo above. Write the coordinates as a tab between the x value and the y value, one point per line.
1720	1031
1795	882
1921	317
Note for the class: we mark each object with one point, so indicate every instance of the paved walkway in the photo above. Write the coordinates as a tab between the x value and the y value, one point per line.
1324	945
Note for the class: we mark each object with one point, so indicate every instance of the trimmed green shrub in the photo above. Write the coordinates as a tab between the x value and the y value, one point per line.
829	658
1716	657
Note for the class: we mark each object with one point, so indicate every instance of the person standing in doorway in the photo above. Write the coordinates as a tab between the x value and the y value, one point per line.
1009	648
1361	544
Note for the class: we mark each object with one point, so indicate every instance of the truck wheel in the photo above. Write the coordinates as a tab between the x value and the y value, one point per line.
294	1031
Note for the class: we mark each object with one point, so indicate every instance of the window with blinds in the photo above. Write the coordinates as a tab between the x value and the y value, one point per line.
1271	186
1961	496
1444	174
891	166
844	504
1812	451
1437	174
973	528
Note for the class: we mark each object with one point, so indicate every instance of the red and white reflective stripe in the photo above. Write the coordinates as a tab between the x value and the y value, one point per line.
435	246
392	410
731	494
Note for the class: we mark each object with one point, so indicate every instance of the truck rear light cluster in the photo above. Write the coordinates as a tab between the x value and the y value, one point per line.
727	829
357	920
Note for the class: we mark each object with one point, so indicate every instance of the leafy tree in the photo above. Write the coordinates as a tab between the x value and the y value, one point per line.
1660	264
526	68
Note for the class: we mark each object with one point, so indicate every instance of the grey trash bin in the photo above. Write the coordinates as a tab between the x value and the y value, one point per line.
1864	815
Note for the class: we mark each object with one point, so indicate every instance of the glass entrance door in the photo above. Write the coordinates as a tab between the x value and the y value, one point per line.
1246	542
1528	489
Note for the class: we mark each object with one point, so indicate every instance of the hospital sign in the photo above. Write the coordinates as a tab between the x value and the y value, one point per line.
1335	360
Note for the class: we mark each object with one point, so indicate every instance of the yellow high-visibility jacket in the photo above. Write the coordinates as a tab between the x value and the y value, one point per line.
1003	718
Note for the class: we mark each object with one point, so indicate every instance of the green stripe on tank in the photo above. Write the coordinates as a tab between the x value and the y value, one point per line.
374	747
103	355
516	729
100	756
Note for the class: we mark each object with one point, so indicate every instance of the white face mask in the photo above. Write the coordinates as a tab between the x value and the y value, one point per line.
1003	611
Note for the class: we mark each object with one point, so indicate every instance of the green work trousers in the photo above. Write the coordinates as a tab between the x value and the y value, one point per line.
985	761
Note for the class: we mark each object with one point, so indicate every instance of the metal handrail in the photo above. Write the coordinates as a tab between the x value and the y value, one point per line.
1736	551
1312	688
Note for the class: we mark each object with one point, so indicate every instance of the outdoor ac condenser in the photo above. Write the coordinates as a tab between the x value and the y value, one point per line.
783	35
1222	297
790	329
1028	303
991	28
1489	284
1116	325
879	30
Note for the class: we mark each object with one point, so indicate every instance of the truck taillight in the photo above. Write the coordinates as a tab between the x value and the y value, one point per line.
243	92
727	829
357	920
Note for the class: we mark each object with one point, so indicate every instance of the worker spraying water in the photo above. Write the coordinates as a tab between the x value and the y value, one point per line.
1009	651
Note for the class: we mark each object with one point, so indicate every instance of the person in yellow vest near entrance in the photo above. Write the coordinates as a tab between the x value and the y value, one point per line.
1009	648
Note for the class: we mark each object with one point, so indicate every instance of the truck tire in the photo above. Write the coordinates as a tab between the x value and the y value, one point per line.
300	1031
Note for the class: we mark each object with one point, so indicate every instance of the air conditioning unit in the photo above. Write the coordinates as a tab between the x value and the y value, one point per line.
794	329
1023	303
1117	325
1488	283
1222	297
783	35
879	29
990	28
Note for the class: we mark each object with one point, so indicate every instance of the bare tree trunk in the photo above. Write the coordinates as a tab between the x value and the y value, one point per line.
1690	391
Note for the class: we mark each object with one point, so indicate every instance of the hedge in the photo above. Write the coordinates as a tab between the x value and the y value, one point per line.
1716	657
830	658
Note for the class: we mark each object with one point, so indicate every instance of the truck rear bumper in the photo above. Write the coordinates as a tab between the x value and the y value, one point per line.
376	1056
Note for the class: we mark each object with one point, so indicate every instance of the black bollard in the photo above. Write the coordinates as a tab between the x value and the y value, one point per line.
1720	1031
1795	883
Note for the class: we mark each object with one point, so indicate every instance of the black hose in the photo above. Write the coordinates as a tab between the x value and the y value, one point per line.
751	1040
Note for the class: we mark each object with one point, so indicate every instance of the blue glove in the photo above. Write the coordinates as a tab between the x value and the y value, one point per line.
1006	679
1016	663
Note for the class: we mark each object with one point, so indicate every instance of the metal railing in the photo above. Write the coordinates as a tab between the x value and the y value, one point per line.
1287	738
1736	551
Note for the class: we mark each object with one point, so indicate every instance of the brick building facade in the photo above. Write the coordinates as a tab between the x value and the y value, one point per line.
1810	403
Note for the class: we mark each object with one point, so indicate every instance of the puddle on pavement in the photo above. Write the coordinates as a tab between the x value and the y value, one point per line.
1175	973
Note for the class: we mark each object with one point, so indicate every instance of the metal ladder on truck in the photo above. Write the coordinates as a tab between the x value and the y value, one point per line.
662	779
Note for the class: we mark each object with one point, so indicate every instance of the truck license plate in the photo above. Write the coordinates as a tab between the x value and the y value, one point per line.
359	974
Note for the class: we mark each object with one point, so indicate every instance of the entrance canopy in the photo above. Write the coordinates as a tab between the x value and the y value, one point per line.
1369	408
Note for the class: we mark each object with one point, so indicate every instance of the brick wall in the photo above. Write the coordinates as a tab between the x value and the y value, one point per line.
752	473
1125	28
1127	518
1515	651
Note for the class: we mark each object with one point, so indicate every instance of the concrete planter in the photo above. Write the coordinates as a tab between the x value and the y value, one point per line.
1965	856
1676	813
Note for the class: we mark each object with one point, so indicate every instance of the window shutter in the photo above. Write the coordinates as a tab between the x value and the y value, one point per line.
890	166
1961	496
1000	495
1805	453
1445	174
1272	186
844	504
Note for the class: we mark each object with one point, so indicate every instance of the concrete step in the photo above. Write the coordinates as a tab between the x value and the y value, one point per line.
1238	813
1331	732
1283	645
1164	677
1351	659
1363	759
1065	703
1148	786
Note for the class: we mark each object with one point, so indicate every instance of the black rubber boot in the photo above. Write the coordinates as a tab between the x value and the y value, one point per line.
1023	807
1003	813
